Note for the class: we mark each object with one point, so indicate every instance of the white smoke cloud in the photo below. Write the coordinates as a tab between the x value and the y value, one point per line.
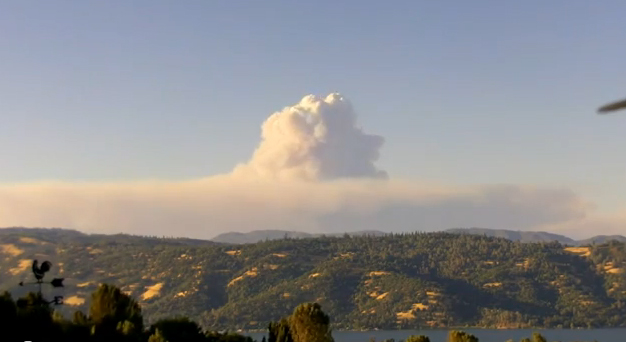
204	208
313	171
316	139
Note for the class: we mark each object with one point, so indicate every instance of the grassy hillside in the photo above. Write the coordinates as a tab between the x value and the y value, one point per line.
393	281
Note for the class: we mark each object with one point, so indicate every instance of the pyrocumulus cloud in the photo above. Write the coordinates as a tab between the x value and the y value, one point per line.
316	139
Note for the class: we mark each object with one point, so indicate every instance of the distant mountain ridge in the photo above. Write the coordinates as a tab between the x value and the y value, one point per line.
512	235
531	236
599	239
59	235
63	235
522	236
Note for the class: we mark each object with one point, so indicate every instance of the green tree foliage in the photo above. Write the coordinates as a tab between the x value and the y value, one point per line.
32	319
178	329
228	337
461	336
157	336
417	338
110	308
128	331
8	309
309	323
33	312
79	318
279	331
9	316
537	337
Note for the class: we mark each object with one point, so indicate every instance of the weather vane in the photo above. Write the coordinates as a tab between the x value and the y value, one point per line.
40	272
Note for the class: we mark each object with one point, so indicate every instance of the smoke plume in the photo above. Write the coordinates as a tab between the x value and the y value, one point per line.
316	139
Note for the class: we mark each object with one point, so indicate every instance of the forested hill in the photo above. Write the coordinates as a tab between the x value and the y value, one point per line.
263	235
513	235
362	282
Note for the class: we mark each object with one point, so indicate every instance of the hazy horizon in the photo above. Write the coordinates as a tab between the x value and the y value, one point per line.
404	117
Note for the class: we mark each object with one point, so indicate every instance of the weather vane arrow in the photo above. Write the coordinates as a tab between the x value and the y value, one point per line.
57	282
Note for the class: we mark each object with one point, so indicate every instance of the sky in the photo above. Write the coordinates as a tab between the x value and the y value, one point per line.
141	116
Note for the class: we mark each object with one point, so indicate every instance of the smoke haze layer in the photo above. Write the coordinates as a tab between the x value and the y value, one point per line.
313	170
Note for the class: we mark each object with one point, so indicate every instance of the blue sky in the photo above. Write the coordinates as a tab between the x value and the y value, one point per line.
463	92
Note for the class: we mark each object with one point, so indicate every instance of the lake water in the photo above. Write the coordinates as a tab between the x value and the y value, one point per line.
484	335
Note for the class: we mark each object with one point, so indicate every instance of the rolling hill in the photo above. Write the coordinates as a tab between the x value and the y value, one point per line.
363	282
